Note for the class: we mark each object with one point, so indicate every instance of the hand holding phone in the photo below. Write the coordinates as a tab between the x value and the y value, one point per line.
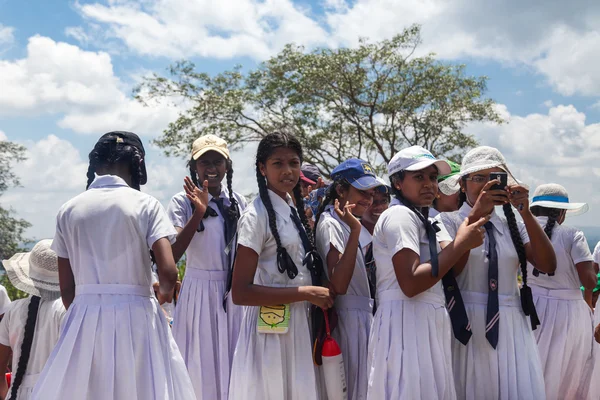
502	177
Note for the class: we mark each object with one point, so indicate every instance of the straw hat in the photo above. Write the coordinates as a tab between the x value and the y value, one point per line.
35	272
553	195
477	159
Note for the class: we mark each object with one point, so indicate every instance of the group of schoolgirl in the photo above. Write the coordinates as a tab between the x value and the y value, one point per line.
424	308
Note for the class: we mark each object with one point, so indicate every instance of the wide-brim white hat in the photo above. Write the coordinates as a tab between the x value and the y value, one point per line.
36	272
553	195
478	159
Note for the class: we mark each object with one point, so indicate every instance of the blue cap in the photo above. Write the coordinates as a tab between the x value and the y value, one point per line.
358	173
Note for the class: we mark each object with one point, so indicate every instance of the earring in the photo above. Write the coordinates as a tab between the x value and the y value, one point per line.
437	196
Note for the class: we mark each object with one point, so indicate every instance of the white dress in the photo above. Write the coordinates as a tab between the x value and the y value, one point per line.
273	366
115	342
410	343
355	308
205	334
566	335
513	370
594	387
47	329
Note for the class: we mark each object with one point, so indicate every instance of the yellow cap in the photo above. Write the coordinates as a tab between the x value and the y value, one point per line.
209	143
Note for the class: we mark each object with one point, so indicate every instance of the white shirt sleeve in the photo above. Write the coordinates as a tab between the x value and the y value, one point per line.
4	300
330	233
401	230
523	232
4	329
597	253
580	250
179	210
159	225
252	230
58	244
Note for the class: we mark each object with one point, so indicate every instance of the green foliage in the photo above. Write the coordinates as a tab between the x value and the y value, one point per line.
11	229
13	292
367	102
181	269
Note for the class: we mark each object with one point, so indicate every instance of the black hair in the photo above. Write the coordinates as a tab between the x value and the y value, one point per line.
233	209
109	153
266	147
331	195
32	313
553	215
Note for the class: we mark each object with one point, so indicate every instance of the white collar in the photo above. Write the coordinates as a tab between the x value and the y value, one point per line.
281	207
465	210
107	181
223	195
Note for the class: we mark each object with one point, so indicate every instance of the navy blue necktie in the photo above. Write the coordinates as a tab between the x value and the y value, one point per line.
492	320
454	301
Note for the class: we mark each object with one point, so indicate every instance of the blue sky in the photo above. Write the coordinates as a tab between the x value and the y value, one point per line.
67	69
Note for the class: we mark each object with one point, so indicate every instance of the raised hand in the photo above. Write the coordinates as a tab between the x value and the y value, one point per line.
489	198
471	235
519	197
346	215
198	197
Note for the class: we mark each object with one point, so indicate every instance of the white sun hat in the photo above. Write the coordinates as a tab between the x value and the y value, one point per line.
416	158
478	159
36	272
553	195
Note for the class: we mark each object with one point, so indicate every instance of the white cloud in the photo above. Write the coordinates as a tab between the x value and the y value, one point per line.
557	147
59	78
77	33
548	103
558	41
3	136
596	105
7	37
206	28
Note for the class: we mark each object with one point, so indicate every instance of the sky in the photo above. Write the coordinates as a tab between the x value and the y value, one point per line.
67	69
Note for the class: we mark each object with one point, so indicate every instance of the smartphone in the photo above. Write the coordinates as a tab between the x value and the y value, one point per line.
502	177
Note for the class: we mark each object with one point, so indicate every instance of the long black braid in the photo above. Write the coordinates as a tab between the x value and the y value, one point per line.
553	215
234	212
526	295
32	313
331	195
108	153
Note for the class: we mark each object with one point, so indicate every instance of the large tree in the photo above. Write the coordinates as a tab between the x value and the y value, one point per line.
11	228
367	102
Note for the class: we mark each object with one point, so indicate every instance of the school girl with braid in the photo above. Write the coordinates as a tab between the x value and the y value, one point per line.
410	342
565	336
115	342
206	322
343	244
501	359
274	271
31	326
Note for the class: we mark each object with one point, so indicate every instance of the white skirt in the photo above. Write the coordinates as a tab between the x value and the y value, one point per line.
565	340
409	348
114	346
594	372
355	316
205	333
513	370
274	366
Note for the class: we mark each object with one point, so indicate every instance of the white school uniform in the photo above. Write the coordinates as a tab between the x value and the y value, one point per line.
5	302
274	366
513	370
410	342
205	333
115	342
45	336
355	308
594	373
565	336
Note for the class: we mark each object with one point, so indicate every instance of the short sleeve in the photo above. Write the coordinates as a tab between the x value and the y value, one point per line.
597	253
59	244
580	250
159	225
179	210
330	233
446	220
523	232
242	202
4	330
442	235
252	230
4	300
401	230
